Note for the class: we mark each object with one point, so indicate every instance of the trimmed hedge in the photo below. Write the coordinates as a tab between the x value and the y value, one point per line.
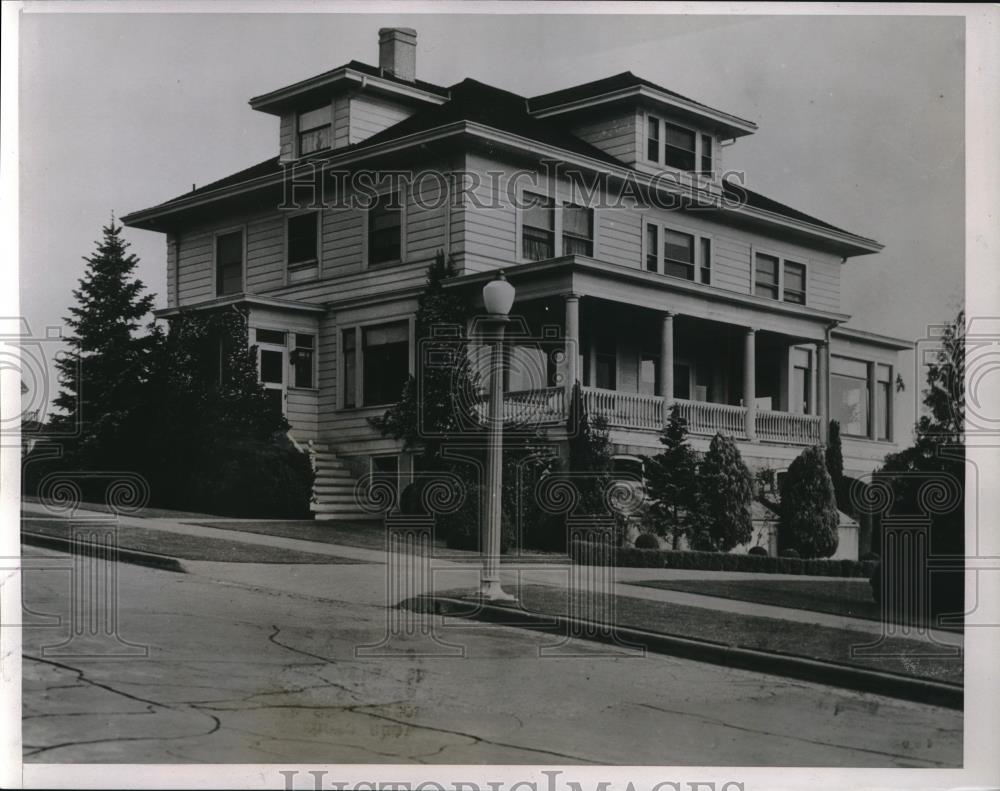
722	561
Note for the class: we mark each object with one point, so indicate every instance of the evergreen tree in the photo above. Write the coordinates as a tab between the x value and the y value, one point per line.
726	487
104	371
937	457
672	480
589	455
835	454
808	514
438	400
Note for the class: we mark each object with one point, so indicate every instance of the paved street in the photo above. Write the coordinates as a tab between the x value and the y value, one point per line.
257	663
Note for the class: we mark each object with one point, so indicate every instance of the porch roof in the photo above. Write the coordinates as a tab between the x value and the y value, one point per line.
238	300
589	277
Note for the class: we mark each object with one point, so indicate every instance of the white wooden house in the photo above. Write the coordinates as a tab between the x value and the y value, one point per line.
668	281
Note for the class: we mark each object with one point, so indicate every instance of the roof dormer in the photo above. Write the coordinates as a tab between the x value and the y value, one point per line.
349	104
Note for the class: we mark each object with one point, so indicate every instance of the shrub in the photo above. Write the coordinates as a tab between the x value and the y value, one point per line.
255	479
583	552
808	514
757	551
788	553
646	541
727	491
870	556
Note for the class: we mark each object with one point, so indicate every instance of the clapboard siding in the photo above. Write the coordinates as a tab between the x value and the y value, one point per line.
265	246
615	134
371	115
194	267
286	136
300	409
619	236
172	242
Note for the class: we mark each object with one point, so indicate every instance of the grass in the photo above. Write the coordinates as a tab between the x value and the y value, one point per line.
361	534
847	597
177	545
826	644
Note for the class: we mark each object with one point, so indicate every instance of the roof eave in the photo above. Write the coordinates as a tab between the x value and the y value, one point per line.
275	102
730	124
846	244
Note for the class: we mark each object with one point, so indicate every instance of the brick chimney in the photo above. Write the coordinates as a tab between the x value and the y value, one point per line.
397	52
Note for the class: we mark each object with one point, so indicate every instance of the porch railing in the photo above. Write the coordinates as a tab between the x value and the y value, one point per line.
704	417
787	427
539	406
625	410
639	412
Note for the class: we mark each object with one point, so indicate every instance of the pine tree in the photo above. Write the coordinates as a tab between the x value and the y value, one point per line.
103	373
808	514
726	487
671	480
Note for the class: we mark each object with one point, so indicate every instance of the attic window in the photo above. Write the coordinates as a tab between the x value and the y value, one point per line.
315	130
680	147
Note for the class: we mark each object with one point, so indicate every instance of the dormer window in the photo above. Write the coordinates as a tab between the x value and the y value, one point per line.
679	151
706	155
678	147
315	130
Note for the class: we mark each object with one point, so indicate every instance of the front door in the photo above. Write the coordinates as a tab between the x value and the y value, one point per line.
272	363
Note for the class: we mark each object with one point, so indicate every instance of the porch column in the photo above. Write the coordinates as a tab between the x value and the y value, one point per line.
571	338
667	362
823	388
750	382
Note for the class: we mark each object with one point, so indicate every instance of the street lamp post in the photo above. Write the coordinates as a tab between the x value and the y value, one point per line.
498	297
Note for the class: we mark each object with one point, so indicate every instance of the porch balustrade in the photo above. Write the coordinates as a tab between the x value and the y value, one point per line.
704	417
639	412
625	410
786	427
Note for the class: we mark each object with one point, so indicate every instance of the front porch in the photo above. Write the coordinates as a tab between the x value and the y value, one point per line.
759	386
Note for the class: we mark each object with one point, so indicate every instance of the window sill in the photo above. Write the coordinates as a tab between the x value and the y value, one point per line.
386	264
303	389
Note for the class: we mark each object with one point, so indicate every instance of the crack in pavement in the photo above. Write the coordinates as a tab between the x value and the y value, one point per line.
82	677
762	732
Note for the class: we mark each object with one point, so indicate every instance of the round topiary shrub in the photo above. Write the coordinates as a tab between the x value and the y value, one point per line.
757	551
646	541
789	553
809	515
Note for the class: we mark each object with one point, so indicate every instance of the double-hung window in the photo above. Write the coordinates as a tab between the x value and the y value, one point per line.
229	263
766	276
349	367
706	155
678	254
795	283
386	350
652	248
577	230
679	151
385	230
538	227
315	130
653	139
302	360
303	246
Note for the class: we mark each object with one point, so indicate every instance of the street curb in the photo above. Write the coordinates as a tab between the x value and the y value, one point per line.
134	556
918	690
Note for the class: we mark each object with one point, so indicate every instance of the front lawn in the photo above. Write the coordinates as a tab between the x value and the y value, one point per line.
848	597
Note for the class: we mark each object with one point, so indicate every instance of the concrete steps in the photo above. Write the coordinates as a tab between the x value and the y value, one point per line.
333	490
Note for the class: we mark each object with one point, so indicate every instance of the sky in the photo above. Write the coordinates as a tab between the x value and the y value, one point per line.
861	121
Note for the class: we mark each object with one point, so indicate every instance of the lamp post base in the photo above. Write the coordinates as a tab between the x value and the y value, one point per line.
490	590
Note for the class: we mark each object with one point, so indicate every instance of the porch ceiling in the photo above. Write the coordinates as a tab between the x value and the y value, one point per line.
587	277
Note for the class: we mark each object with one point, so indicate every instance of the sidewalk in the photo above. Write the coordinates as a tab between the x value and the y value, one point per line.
549	589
